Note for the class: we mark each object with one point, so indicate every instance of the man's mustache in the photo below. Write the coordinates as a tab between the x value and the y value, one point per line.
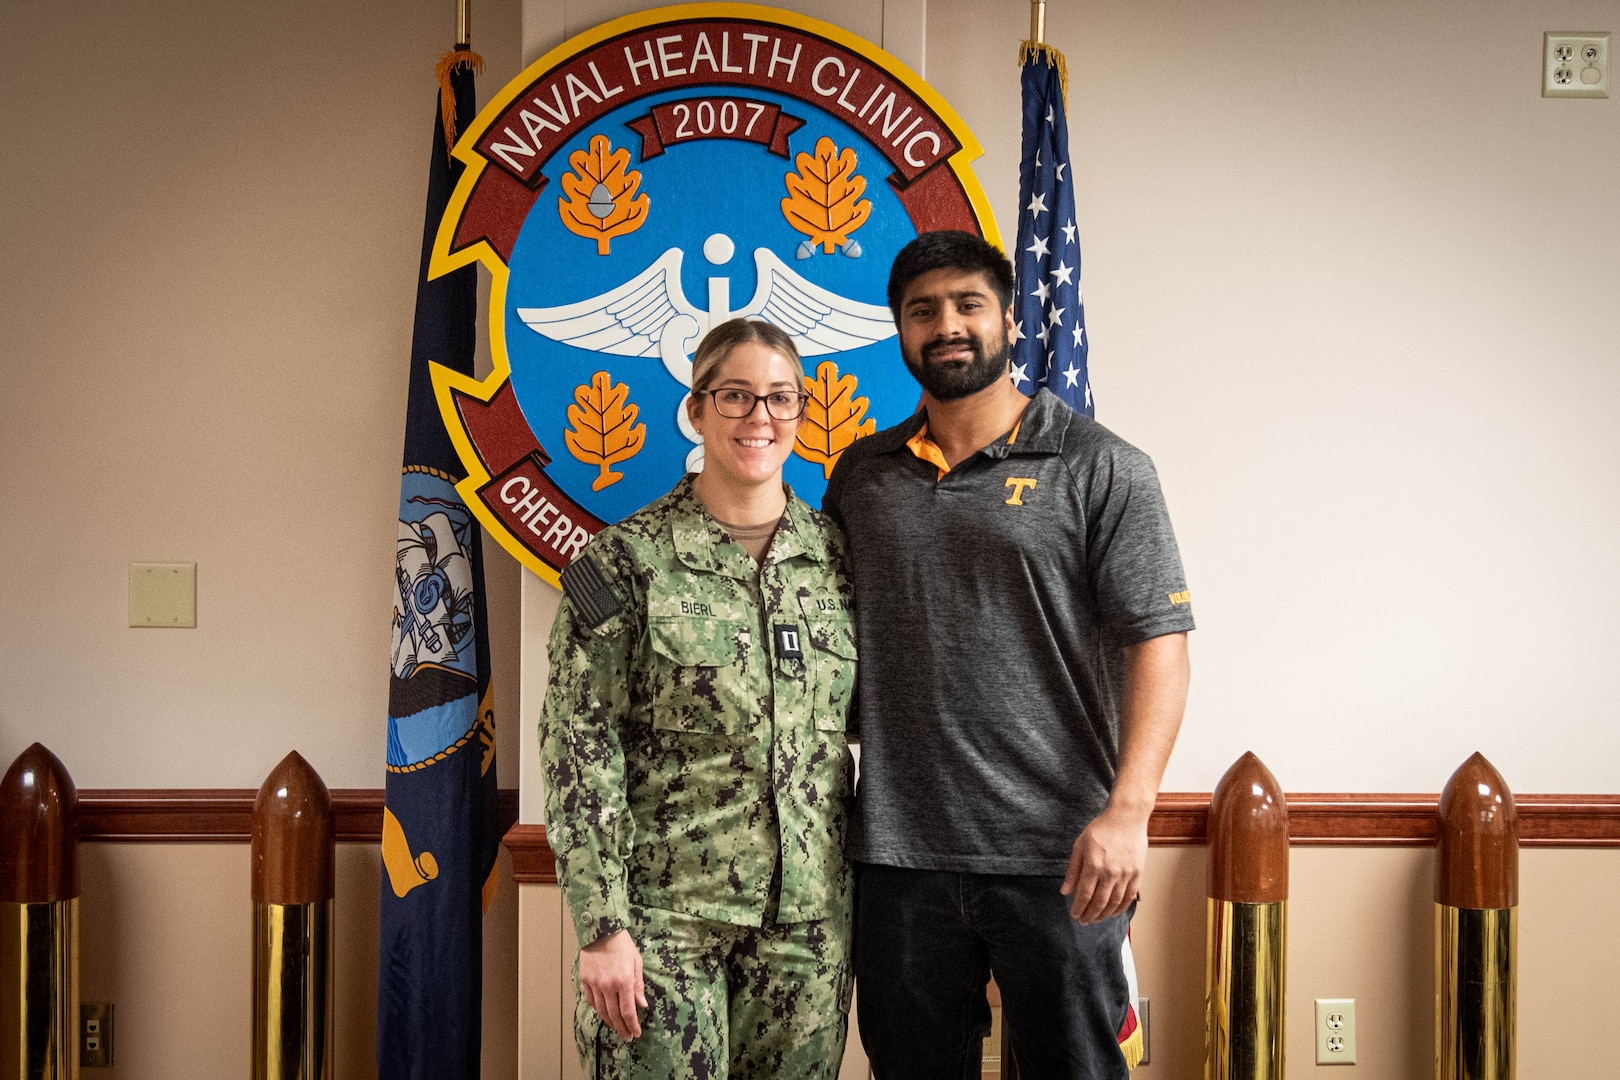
940	345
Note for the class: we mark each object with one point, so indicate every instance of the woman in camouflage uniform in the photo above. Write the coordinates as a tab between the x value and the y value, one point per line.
693	739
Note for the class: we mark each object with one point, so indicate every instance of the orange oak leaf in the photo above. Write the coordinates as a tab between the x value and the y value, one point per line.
824	197
601	198
604	430
832	417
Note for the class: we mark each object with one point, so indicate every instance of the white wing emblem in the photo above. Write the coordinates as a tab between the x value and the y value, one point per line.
646	316
649	315
818	321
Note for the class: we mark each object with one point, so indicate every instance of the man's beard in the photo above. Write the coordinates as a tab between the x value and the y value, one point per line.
949	382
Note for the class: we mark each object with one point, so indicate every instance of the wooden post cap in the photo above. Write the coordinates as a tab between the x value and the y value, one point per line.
294	837
1248	835
1477	840
39	830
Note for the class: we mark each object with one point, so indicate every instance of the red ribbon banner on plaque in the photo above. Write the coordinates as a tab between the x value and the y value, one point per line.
715	118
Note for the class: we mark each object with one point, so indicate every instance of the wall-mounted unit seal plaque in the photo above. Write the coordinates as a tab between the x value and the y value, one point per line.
650	179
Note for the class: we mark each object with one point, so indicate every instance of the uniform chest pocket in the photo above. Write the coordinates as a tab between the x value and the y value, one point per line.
699	676
831	661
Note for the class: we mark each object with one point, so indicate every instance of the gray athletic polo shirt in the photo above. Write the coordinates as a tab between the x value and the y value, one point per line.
992	605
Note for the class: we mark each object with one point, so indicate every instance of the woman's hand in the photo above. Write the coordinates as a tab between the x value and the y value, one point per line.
610	978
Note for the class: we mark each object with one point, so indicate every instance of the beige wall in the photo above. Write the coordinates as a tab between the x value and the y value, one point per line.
1350	280
1361	925
166	936
211	220
212	217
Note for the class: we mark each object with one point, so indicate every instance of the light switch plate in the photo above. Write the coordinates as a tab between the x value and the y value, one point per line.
163	594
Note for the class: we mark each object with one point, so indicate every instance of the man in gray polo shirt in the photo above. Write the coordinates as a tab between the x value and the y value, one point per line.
1022	620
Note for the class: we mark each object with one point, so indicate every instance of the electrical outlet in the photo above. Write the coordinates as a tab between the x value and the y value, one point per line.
1335	1031
95	1033
1575	63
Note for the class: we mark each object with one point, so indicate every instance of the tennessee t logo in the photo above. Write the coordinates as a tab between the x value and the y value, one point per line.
1019	484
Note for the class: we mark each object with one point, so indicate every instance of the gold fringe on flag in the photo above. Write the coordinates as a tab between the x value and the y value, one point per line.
452	59
1032	50
1132	1048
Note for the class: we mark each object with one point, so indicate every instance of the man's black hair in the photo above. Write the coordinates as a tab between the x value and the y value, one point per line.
949	250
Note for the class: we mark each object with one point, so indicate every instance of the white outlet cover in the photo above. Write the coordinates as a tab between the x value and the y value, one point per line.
1575	64
1335	1031
163	594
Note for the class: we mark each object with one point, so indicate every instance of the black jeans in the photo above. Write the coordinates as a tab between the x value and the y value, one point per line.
926	942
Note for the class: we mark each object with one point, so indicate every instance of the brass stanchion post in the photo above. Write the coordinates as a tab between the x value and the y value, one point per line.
1476	926
39	919
293	853
1247	925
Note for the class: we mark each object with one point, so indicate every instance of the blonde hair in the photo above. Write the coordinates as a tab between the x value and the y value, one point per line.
719	342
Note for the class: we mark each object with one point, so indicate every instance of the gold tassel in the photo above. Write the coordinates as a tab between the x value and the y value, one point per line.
448	63
1045	53
1132	1048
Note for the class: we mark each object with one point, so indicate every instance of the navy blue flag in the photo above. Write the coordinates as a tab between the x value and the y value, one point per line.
1049	338
441	833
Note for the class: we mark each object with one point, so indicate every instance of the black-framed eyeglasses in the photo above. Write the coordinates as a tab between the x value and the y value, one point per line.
734	404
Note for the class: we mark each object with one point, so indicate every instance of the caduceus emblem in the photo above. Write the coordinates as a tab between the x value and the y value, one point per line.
649	315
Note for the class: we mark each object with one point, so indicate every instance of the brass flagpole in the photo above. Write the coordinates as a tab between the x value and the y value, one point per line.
1037	21
459	55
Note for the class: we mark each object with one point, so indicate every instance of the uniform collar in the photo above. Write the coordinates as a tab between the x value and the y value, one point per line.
701	544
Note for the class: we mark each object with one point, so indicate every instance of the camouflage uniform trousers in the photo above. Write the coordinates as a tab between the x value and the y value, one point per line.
727	1001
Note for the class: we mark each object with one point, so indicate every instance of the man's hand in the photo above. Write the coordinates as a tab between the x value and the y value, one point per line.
610	979
1105	866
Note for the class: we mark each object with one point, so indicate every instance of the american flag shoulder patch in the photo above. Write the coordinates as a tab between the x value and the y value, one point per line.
587	588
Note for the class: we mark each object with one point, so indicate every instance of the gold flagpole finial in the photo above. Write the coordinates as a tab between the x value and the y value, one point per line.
464	22
1037	21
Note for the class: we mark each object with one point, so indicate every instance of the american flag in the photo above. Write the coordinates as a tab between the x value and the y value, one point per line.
1049	336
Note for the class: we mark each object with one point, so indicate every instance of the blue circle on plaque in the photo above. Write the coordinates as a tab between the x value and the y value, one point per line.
716	242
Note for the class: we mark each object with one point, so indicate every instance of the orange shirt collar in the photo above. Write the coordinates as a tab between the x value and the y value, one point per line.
928	450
